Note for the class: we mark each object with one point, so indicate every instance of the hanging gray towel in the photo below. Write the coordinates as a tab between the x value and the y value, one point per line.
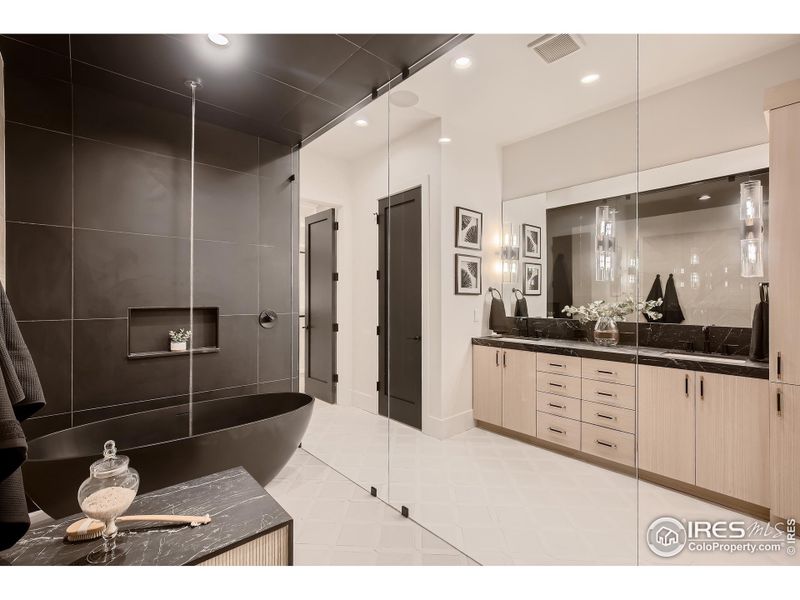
520	304
498	321
759	336
20	396
671	309
655	293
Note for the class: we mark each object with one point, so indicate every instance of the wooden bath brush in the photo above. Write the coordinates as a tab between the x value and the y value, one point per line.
90	529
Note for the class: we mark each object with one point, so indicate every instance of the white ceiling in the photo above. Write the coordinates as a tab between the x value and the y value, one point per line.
510	94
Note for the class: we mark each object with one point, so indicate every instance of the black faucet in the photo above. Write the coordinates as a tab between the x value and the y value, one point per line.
707	338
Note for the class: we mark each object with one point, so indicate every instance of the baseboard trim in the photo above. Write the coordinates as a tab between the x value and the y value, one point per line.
742	506
446	428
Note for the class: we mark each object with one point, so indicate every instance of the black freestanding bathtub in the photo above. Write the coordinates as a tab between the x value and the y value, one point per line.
258	432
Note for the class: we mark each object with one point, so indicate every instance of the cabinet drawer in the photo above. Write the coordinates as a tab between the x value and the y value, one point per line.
609	393
606	370
561	385
558	430
556	363
605	415
607	443
558	405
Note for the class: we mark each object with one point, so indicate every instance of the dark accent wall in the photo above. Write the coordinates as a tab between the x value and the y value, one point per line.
98	221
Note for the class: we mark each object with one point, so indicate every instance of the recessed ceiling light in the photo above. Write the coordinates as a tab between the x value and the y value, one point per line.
704	197
361	122
462	62
590	78
445	140
219	39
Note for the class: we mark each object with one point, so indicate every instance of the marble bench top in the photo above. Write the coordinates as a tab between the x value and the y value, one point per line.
240	511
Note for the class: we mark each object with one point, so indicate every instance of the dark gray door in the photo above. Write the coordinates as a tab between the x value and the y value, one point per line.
320	316
400	307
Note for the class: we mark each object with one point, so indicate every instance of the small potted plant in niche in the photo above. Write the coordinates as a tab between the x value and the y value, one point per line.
606	314
178	339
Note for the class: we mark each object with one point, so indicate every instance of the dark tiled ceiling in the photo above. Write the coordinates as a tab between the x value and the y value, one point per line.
282	87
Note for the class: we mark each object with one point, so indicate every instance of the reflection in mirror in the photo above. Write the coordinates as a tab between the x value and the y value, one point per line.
691	233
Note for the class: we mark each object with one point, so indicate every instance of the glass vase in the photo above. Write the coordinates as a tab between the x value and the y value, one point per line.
606	332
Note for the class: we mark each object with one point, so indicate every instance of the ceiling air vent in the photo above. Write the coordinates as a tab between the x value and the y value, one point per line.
555	46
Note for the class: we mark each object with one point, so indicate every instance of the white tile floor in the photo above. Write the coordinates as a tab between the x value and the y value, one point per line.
339	523
498	500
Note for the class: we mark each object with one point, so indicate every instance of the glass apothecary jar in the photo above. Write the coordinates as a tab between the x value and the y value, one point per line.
606	332
105	495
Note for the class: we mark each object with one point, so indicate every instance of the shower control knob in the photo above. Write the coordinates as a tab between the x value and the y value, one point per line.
267	319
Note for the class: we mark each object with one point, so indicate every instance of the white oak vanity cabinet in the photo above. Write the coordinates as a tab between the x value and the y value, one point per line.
784	425
667	422
504	388
782	108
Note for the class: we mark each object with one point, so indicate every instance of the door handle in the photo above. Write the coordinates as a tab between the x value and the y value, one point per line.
504	359
497	358
778	366
686	381
702	389
779	401
416	338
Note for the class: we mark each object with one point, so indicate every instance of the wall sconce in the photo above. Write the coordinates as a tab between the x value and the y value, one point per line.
605	243
509	253
751	205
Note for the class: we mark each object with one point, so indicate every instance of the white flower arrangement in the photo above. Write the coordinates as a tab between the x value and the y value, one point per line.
616	311
182	335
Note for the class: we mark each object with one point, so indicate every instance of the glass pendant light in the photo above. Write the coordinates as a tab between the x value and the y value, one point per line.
751	206
510	253
605	242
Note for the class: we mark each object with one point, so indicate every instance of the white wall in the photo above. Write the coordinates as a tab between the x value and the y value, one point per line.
715	114
463	173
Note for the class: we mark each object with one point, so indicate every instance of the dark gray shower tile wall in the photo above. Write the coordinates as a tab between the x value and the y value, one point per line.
99	222
40	163
122	189
38	266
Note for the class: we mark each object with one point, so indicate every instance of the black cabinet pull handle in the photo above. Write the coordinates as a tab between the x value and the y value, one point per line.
780	407
558	385
561	431
609	417
687	386
778	367
606	372
497	358
702	389
561	406
557	365
606	394
606	444
504	359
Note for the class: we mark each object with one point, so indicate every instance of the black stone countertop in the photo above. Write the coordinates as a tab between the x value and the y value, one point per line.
656	357
240	511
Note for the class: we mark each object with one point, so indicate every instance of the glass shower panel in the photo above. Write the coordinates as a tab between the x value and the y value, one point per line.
515	148
704	194
345	172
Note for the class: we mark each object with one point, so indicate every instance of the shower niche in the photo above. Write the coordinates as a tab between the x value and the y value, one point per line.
148	330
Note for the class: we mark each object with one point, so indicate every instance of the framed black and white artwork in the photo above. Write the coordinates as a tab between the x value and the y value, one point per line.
533	280
468	274
531	241
469	228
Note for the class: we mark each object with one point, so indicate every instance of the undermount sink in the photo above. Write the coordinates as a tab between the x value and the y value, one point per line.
728	360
